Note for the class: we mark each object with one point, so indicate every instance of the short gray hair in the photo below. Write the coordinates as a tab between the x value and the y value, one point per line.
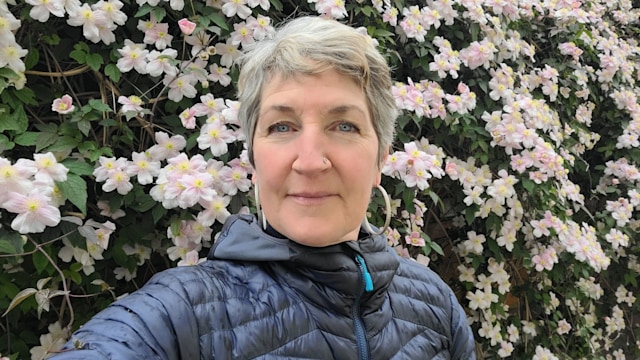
329	45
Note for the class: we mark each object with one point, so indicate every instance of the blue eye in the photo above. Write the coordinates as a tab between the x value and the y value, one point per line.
347	127
279	128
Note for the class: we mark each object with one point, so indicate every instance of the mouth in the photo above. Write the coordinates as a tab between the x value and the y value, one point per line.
311	198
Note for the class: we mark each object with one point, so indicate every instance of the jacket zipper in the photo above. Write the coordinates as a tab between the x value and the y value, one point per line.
366	284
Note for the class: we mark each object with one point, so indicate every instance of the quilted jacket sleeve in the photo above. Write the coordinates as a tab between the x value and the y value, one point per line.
463	344
155	322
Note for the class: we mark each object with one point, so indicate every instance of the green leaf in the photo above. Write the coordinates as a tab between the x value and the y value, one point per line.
94	61
143	203
5	143
84	126
22	295
73	275
78	55
6	247
51	39
159	13
75	189
378	33
26	95
40	261
475	30
219	20
495	248
7	73
528	185
437	248
32	58
16	121
78	167
470	214
64	143
276	4
112	71
50	128
28	138
436	199
158	212
45	139
112	122
99	105
143	10
12	241
630	278
3	84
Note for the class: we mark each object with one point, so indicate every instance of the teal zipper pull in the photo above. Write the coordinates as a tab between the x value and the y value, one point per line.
368	280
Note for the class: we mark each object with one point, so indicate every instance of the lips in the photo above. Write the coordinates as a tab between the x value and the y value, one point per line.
311	198
318	194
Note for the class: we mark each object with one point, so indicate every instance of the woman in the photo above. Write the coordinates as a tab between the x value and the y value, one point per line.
305	279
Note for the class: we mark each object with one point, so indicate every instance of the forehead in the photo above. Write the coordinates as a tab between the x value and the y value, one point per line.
329	92
312	83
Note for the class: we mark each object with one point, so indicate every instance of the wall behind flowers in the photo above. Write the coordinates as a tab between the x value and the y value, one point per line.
514	174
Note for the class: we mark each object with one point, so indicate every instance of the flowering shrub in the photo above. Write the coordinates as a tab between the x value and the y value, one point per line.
514	175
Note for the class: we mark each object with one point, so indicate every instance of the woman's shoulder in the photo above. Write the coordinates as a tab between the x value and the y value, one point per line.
420	282
423	297
212	279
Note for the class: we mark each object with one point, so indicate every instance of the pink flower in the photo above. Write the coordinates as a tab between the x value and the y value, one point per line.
214	209
187	27
166	147
158	35
106	210
34	212
261	27
236	7
63	105
119	181
15	177
133	56
215	136
234	179
242	34
181	86
194	188
188	118
563	327
390	16
545	260
42	9
48	168
208	105
143	167
415	239
191	258
132	104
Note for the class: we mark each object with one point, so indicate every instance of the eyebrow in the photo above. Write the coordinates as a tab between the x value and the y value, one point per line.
340	109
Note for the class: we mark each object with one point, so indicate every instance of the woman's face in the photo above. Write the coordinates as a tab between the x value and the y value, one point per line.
302	120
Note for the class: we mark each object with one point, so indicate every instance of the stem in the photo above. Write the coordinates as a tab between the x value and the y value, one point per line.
37	246
67	298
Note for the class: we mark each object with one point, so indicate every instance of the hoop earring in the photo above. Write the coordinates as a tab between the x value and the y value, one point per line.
387	220
261	219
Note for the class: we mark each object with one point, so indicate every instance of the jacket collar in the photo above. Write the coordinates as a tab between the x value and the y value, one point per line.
334	266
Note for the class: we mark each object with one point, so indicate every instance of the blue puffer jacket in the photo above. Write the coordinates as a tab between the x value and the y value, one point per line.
263	297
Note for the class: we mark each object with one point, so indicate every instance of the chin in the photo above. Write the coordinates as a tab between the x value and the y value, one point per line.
309	237
318	231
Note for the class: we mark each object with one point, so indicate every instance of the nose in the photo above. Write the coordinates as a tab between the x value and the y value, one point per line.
311	157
